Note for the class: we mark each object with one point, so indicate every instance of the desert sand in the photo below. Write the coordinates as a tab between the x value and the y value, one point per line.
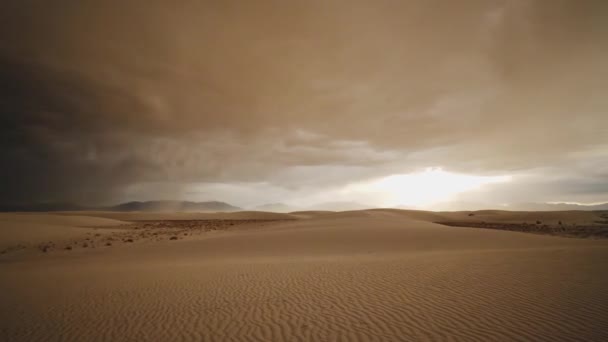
372	275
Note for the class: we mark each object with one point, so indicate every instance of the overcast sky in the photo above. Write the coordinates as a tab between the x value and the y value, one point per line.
303	102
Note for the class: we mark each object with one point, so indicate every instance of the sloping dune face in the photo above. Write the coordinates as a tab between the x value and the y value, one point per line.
353	276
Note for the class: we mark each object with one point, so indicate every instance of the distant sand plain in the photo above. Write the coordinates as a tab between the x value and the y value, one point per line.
372	275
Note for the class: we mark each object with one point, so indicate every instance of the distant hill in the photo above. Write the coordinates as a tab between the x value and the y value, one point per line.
173	206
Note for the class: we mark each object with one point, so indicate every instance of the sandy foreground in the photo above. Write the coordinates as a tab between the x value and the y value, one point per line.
375	275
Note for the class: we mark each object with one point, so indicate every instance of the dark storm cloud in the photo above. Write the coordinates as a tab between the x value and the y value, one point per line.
102	96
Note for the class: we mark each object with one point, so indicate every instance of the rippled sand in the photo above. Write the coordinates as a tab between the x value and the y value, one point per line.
379	275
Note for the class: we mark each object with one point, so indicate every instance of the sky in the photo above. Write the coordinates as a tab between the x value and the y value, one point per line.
420	103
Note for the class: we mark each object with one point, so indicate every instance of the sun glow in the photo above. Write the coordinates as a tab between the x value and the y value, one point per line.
422	189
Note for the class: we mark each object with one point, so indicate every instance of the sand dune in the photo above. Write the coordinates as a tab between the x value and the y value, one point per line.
28	229
376	275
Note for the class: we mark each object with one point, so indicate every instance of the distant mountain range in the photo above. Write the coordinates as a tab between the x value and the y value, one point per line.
522	206
216	206
557	206
180	206
147	206
332	206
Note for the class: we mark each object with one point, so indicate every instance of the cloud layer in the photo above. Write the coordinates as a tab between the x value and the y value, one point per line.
103	101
